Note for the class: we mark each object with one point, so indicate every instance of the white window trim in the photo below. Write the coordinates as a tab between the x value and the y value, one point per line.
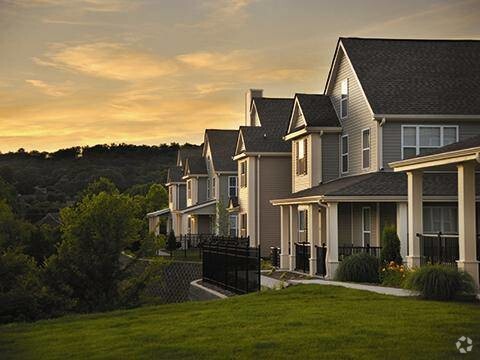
369	148
342	99
242	174
363	225
230	186
235	222
344	154
417	135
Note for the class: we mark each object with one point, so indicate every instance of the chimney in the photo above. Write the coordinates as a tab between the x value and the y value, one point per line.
249	95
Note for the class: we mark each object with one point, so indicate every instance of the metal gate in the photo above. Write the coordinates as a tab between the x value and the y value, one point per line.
302	256
321	260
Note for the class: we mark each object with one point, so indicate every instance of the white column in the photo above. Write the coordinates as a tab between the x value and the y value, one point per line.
293	234
332	239
284	237
467	246
402	228
415	216
313	236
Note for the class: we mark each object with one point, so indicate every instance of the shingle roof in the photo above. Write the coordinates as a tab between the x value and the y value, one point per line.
471	142
418	76
175	174
383	184
195	165
258	139
318	110
222	144
188	151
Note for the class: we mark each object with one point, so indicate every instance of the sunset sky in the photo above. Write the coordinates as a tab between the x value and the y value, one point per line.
82	72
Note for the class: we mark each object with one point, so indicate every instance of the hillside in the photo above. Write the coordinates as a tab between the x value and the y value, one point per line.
299	322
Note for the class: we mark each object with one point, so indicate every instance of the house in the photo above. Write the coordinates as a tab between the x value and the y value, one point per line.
263	161
384	101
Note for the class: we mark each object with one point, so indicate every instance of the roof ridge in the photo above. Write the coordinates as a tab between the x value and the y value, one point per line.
406	39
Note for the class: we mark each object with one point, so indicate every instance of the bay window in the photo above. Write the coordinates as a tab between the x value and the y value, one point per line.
301	156
243	174
423	139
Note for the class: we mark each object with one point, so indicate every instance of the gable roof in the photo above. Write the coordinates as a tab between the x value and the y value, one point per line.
274	115
195	165
188	151
222	146
317	110
417	77
175	174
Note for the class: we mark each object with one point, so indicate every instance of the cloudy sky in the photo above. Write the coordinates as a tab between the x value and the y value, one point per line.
82	72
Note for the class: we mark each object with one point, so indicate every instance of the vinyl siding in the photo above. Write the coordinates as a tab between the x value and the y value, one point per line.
392	135
182	196
202	189
359	118
242	192
344	223
330	156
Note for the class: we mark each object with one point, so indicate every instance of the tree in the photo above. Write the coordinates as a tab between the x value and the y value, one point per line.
103	184
157	197
390	246
87	266
222	223
171	241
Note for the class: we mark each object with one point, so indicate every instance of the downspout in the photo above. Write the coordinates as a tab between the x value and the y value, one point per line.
257	194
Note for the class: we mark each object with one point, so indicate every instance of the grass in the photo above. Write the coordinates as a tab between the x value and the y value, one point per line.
305	322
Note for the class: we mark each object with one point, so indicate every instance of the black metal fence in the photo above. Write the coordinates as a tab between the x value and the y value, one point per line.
302	256
231	265
438	249
275	256
347	250
321	260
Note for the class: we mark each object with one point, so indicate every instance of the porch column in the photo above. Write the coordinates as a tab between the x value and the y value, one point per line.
415	216
284	237
313	235
402	228
293	234
332	239
467	247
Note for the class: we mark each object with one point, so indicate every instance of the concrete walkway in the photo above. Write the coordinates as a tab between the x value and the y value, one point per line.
373	288
271	283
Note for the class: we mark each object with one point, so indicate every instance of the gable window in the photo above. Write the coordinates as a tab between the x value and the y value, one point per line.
440	218
232	225
189	189
209	193
243	225
366	226
301	156
344	153
366	148
423	139
303	225
232	186
243	174
344	100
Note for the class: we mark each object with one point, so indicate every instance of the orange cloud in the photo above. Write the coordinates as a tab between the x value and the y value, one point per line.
49	89
232	61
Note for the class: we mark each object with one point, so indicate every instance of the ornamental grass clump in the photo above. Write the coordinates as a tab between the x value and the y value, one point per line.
440	282
362	268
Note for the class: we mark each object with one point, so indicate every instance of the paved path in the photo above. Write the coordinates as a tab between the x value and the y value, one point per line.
373	288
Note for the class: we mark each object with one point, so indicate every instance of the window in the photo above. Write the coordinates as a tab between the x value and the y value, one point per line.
366	226
189	225
243	225
344	153
422	139
209	193
232	186
366	148
214	187
301	156
440	218
243	174
170	194
303	225
189	189
233	225
344	100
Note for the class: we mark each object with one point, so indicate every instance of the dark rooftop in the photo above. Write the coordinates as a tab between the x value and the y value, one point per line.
318	110
195	165
175	174
222	144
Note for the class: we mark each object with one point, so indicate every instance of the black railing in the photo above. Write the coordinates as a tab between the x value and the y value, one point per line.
189	241
321	260
302	256
438	249
231	266
347	250
275	256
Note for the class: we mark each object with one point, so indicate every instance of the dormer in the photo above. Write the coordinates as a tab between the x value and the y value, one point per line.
195	176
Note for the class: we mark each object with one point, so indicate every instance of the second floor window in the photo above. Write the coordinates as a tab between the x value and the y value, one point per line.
189	189
366	148
301	151
344	154
344	100
422	139
232	186
243	174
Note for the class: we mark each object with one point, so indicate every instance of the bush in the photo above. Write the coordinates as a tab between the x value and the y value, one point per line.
358	268
171	241
393	275
440	282
390	246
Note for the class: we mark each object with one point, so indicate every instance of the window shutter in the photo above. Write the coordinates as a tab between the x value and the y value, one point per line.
305	158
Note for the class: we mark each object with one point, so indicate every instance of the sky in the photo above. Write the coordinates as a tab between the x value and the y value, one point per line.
85	72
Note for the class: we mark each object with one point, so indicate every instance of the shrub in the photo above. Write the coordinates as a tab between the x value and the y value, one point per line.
393	274
440	282
171	241
358	268
390	246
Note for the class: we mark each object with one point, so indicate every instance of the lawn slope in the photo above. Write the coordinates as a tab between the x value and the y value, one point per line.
301	322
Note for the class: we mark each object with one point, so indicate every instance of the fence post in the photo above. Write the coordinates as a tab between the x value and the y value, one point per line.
259	268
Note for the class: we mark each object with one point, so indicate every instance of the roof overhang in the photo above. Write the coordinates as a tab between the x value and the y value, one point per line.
198	207
446	158
189	176
415	117
175	183
312	129
165	211
261	153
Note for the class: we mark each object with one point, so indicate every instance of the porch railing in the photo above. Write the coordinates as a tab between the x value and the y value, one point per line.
321	260
189	241
275	256
302	256
438	248
348	250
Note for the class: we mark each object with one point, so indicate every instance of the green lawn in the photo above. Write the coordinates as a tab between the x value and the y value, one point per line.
301	322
